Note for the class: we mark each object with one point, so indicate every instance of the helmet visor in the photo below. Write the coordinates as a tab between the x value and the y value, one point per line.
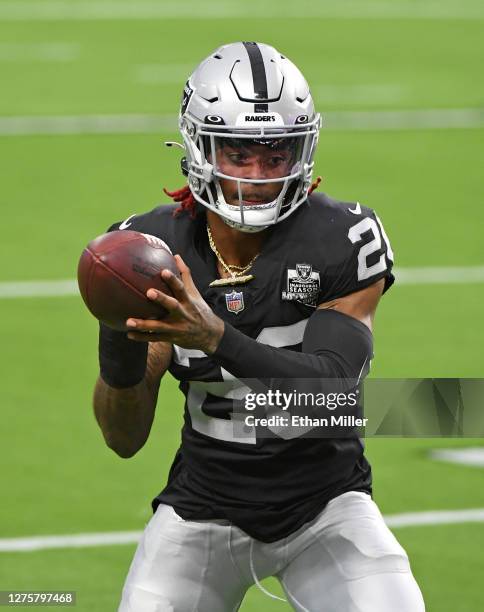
253	171
258	159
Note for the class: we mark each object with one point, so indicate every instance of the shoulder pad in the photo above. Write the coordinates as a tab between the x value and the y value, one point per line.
354	247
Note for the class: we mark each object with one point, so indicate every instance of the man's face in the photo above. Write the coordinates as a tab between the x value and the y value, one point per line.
252	161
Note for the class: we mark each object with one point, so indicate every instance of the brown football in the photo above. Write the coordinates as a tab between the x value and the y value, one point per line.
116	270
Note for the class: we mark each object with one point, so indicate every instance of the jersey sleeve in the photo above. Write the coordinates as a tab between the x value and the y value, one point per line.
131	223
157	222
365	255
120	225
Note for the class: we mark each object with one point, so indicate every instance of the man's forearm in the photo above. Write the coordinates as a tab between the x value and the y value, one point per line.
125	416
335	346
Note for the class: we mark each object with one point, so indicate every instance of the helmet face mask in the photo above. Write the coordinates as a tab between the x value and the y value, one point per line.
249	161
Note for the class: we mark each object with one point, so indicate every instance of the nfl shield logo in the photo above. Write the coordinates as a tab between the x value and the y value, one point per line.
304	270
235	301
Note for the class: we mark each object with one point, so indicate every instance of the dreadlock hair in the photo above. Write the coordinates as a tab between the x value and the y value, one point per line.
315	185
185	197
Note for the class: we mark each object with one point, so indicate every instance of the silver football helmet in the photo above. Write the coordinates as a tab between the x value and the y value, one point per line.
248	93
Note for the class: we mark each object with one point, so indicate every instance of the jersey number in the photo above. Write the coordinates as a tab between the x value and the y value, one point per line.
355	234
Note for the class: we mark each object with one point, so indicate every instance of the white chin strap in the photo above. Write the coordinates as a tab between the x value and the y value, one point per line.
248	229
253	219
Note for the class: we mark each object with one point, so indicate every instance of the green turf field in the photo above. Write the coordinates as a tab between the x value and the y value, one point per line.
60	190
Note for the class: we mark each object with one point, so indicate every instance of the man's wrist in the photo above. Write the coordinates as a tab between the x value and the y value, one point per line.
215	337
122	362
231	343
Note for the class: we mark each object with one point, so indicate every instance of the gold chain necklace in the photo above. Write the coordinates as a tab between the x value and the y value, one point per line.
238	274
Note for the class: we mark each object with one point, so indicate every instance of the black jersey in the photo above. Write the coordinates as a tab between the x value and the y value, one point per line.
268	487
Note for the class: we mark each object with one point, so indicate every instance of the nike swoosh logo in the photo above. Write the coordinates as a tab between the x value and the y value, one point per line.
125	223
357	210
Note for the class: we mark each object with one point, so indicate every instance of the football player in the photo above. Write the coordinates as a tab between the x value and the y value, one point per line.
277	283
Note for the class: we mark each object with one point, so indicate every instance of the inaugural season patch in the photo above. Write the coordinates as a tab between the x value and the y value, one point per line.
302	284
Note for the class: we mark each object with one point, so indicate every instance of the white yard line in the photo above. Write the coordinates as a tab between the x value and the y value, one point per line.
411	119
66	10
85	540
440	276
39	52
472	456
80	540
29	289
436	517
404	276
377	120
87	124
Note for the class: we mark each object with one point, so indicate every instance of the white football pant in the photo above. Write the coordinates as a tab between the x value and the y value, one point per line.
345	560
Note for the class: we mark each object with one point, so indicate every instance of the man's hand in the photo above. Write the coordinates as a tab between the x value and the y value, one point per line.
191	322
